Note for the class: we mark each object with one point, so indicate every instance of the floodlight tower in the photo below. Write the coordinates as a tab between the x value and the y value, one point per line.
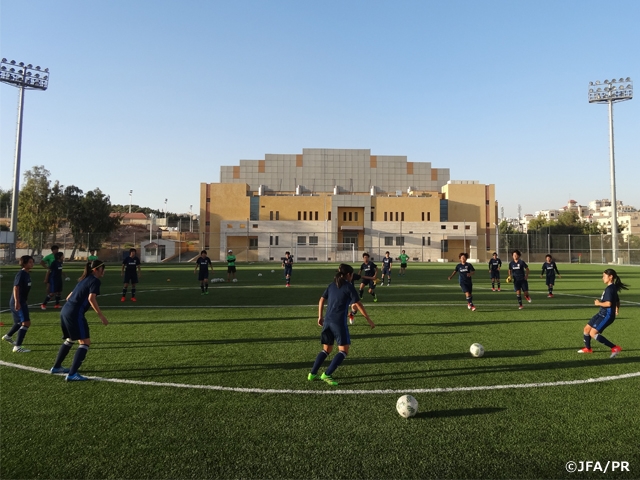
609	92
24	77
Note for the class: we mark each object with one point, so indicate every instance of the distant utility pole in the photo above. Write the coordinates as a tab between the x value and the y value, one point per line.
610	92
24	77
130	197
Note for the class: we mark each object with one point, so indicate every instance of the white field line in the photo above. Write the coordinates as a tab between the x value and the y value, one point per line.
342	392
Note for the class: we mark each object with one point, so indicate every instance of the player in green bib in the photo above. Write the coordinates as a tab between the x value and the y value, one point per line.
93	256
49	259
231	266
404	258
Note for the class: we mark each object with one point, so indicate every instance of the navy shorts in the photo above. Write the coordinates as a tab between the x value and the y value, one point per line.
386	271
601	320
367	283
288	271
335	332
21	315
203	275
466	287
130	277
231	269
55	286
522	285
495	274
551	279
74	324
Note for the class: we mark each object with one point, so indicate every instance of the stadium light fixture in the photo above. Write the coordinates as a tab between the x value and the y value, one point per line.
610	92
24	77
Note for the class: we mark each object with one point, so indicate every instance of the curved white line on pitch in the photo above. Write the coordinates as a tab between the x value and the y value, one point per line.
341	392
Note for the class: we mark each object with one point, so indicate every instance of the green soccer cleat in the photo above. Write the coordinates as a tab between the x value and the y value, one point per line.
312	376
375	299
328	379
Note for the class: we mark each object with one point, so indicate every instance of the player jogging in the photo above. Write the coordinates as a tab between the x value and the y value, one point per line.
74	323
609	304
368	274
404	258
19	305
338	296
494	270
287	264
519	272
465	271
549	269
387	262
53	279
203	263
130	271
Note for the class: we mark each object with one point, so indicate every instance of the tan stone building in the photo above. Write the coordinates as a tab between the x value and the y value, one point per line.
333	204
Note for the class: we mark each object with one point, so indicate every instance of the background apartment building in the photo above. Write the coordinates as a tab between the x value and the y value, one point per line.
334	204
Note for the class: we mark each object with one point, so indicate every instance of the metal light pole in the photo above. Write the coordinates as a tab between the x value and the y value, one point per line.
609	92
24	77
190	218
130	197
165	209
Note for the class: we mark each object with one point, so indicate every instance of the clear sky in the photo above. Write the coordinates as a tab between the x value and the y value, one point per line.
155	95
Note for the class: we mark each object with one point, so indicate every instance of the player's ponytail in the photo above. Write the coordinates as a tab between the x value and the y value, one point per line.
90	267
616	280
343	271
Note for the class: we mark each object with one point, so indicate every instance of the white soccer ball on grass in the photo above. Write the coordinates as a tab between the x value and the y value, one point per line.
235	280
407	406
476	350
67	279
259	274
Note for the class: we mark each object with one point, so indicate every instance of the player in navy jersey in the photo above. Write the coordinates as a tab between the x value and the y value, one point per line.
287	264
609	304
338	296
387	261
465	271
74	323
494	270
18	304
53	279
203	263
130	271
549	269
368	274
519	272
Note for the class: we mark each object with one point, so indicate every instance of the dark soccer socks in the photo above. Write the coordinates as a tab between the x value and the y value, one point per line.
519	297
21	333
78	358
587	341
335	363
322	356
599	338
62	353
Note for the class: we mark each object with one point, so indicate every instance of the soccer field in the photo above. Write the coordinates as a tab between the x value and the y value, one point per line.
214	386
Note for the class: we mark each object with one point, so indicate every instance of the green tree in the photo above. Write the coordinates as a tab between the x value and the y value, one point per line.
5	203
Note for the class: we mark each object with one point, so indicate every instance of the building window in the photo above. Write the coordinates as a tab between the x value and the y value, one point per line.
328	215
276	239
402	216
310	215
372	216
253	243
391	216
316	216
271	215
468	227
396	216
254	225
426	241
305	215
399	241
299	215
208	200
487	224
428	216
487	202
444	245
423	216
355	216
313	240
385	216
388	241
271	240
302	240
455	227
350	216
207	223
277	215
344	216
443	227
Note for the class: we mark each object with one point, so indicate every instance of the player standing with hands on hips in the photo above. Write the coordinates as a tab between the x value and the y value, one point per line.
74	323
338	296
609	304
549	269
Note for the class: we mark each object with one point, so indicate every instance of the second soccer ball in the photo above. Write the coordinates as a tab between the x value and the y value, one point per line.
476	350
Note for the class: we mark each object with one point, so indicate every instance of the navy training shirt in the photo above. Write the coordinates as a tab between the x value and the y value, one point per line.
495	264
368	269
339	300
55	271
204	264
462	270
610	294
386	262
79	298
130	264
549	268
23	282
518	269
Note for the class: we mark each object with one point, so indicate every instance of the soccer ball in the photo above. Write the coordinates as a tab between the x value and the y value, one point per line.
67	279
272	271
235	280
259	274
407	406
476	350
213	280
168	279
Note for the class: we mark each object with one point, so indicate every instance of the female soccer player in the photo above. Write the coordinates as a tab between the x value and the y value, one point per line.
387	262
549	268
19	306
404	258
494	270
287	264
368	274
338	295
74	323
465	271
609	304
203	263
519	271
53	279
